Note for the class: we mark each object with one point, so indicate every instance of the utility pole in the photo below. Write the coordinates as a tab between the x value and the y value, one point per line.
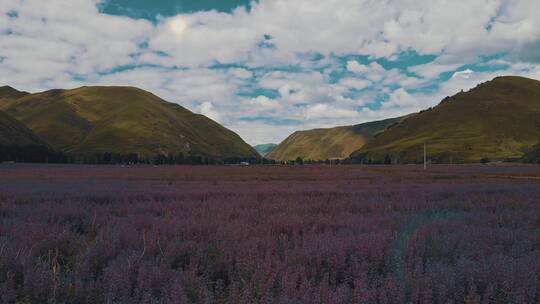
425	157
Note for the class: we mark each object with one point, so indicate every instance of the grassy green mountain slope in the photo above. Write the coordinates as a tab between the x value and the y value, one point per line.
321	144
264	149
92	120
498	119
18	143
14	133
7	92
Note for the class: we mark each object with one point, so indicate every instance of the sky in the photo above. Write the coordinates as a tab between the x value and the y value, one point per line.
270	67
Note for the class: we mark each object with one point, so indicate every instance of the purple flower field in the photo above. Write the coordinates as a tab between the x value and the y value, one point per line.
306	234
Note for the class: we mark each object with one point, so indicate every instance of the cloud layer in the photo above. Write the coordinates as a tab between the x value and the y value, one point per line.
279	65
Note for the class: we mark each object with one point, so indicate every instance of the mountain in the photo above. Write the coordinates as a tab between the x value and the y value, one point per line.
18	143
322	144
93	120
264	149
497	120
7	92
14	133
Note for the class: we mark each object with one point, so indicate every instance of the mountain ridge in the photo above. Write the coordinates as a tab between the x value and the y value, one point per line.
498	119
18	143
265	149
115	119
10	92
14	133
326	143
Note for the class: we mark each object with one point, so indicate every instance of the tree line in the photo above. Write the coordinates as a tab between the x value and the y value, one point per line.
43	154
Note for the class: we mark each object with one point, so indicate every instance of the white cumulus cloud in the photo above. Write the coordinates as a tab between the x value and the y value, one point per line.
296	52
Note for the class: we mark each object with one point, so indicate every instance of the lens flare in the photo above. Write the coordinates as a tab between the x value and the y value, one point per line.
179	25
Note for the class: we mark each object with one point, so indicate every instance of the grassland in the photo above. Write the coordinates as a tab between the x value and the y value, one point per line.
322	144
14	133
496	120
7	92
91	120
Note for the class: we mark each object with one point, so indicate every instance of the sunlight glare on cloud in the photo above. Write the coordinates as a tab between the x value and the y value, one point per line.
179	26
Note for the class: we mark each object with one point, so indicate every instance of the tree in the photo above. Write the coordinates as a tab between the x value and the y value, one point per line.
180	158
299	161
533	156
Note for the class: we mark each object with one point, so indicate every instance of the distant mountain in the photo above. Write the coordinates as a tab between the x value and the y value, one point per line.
499	119
264	149
322	144
93	120
7	92
18	143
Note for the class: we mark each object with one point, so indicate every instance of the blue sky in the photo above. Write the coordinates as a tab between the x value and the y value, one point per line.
151	9
268	68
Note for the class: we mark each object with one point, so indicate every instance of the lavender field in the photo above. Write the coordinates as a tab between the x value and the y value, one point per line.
306	234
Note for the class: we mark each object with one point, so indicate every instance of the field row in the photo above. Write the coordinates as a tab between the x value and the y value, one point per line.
359	234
